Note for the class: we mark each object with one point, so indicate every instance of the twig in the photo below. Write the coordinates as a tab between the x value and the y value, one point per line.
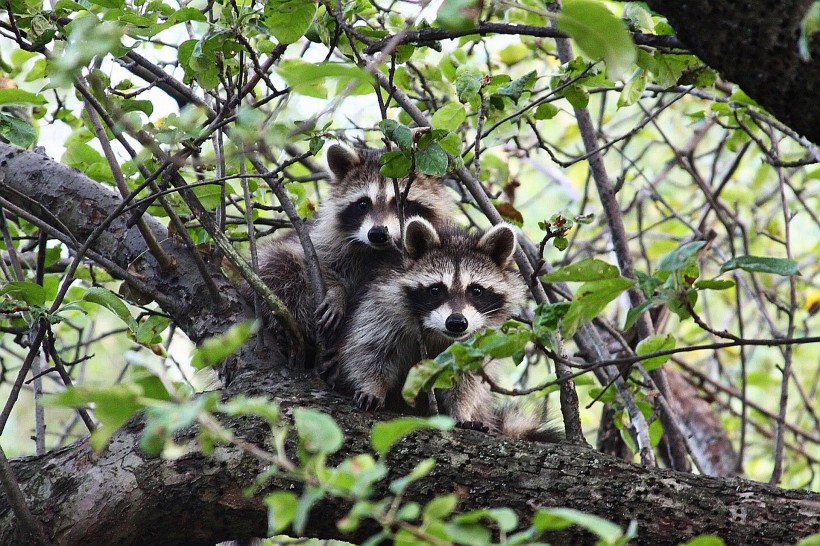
777	472
427	35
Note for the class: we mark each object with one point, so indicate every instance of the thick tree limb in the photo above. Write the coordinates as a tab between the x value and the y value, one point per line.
65	198
755	45
124	497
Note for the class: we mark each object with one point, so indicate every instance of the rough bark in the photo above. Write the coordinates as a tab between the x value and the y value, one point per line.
754	44
66	199
123	497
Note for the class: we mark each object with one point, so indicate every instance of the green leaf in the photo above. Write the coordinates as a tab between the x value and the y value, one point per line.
310	496
318	432
88	38
215	349
432	160
813	540
419	377
499	345
395	164
458	14
113	407
577	96
419	471
14	96
633	89
714	284
451	144
162	421
298	73
257	406
546	111
184	15
590	300
590	269
386	434
635	312
18	132
599	34
288	20
210	195
83	157
762	264
553	519
440	507
681	257
106	298
469	534
150	330
654	344
403	136
282	507
545	323
449	117
113	4
387	127
468	82
515	89
27	291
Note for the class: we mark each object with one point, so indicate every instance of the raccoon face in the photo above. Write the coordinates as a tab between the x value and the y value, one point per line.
365	202
458	284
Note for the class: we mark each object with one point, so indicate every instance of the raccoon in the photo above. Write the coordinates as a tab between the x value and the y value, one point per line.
356	229
449	285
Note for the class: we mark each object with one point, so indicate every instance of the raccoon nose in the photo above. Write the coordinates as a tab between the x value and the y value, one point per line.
456	323
378	235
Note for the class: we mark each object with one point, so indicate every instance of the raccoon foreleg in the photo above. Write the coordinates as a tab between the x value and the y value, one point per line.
331	309
469	402
371	371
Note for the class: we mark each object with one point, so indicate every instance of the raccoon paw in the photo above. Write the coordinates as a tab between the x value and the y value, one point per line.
473	425
367	402
329	314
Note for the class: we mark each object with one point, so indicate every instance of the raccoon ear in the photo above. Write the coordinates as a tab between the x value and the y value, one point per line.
499	244
341	158
419	238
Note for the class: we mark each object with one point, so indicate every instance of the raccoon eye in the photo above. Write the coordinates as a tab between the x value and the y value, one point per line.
363	203
476	291
435	290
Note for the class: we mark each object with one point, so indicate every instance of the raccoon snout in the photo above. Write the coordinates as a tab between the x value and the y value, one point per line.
456	323
378	235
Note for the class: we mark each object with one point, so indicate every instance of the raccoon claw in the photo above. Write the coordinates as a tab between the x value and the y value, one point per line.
329	371
367	402
473	425
330	312
328	319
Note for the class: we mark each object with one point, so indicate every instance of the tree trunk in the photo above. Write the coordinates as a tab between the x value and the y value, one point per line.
754	44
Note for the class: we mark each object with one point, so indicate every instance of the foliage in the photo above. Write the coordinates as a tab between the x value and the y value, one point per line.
717	203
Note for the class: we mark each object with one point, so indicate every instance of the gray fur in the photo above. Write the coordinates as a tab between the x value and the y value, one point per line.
346	261
381	337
